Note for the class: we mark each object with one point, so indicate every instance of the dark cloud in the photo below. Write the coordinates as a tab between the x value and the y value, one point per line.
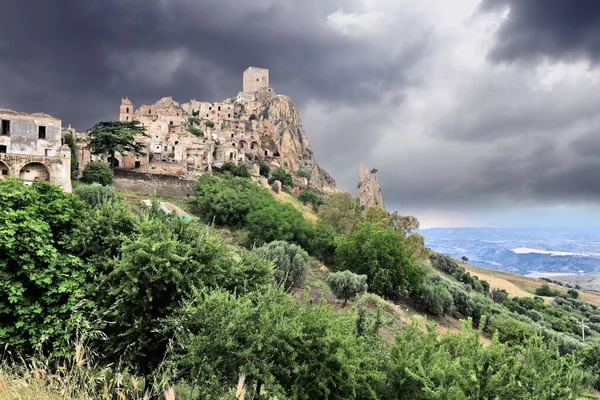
80	57
559	29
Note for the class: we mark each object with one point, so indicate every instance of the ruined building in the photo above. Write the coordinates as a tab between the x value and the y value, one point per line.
369	191
257	125
31	149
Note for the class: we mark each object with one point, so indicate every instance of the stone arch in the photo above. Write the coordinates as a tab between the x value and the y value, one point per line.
34	171
254	146
117	161
4	170
243	144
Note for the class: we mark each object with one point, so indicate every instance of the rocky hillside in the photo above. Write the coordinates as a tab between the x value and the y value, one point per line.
281	129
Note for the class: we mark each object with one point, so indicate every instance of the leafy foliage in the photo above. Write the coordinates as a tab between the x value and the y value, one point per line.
42	285
279	222
346	285
546	291
380	254
95	194
310	197
435	299
117	137
236	170
291	262
97	172
281	175
70	141
264	169
339	211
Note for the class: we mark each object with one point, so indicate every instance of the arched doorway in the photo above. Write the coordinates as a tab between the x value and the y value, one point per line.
109	160
34	172
4	171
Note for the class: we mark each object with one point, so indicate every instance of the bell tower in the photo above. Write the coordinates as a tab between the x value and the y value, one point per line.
126	112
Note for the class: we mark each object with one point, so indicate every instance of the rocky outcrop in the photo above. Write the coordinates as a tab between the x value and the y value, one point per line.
279	120
369	191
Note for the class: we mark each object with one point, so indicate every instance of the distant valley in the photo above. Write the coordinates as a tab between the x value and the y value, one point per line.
536	251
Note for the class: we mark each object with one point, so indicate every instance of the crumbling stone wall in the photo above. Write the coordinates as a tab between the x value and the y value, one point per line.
255	79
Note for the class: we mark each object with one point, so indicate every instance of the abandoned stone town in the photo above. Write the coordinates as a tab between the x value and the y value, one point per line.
183	141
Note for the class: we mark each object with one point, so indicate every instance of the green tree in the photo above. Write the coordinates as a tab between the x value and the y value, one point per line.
435	299
236	170
546	291
292	349
97	172
162	264
465	258
117	137
43	286
339	211
378	215
404	224
227	201
70	141
281	175
381	254
346	285
279	222
291	262
310	197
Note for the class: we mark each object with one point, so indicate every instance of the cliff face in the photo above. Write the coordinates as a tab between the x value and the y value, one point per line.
280	122
369	191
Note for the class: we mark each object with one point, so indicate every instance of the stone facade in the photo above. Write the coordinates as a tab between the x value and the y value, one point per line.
31	148
369	191
255	79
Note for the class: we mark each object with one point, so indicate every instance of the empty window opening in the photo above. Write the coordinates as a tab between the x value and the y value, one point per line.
206	115
209	108
126	118
170	122
137	164
177	142
232	135
41	132
166	148
5	127
4	172
231	156
266	153
149	111
48	152
241	145
219	109
2	149
256	79
228	115
127	110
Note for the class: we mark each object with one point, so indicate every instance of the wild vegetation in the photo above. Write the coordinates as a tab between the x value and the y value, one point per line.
115	302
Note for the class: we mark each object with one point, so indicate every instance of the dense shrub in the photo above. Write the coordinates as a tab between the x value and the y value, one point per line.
445	264
572	293
435	299
381	255
509	329
321	244
95	194
227	201
310	197
304	173
264	169
295	349
462	301
291	262
534	315
97	172
426	365
281	175
546	291
346	285
162	264
43	285
240	170
340	211
279	222
499	295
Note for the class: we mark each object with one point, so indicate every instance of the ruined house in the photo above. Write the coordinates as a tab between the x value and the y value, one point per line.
31	149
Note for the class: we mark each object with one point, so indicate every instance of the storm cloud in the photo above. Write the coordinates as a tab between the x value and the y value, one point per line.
462	106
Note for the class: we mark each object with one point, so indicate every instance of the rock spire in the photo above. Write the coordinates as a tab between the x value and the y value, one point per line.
369	191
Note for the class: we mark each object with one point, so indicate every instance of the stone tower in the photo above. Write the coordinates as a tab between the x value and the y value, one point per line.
126	112
255	79
369	191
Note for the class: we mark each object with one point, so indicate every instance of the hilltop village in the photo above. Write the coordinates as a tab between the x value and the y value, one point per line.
184	141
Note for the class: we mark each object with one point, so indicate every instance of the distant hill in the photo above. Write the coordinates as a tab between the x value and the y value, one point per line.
521	250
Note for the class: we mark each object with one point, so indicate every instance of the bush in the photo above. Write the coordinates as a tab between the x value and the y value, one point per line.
435	299
310	196
264	169
509	329
346	285
236	170
462	301
96	194
304	174
380	254
279	222
321	244
546	291
282	176
572	293
534	315
291	262
98	172
227	201
43	285
499	295
340	211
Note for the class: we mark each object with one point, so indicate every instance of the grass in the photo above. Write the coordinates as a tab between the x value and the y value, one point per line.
306	211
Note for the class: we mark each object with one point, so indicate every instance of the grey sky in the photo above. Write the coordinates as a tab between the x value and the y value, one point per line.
475	113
